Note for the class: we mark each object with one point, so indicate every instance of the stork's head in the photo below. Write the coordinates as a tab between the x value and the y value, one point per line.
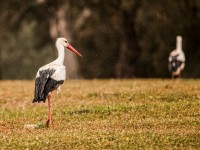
65	43
179	43
179	38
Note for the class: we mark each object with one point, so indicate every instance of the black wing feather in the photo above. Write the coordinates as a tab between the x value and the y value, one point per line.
41	83
175	63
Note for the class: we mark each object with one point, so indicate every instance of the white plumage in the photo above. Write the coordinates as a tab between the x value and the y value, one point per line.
177	59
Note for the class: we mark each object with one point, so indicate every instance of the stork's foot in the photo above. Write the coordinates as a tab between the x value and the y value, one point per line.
48	123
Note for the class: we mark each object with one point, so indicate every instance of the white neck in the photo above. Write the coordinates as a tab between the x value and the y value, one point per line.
179	43
61	53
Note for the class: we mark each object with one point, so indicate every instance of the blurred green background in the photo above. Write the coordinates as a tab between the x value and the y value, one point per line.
117	38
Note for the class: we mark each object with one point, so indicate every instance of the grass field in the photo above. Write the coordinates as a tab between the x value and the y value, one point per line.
103	114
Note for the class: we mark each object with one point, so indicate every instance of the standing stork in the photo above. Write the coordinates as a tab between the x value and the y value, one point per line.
51	76
177	59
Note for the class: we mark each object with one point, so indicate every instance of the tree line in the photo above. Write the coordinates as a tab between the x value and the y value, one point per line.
118	39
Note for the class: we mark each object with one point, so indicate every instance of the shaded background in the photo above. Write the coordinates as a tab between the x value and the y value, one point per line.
118	39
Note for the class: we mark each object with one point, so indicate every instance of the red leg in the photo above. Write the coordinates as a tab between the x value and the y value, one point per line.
50	119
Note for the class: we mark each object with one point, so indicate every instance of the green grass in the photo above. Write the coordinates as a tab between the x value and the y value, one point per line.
103	114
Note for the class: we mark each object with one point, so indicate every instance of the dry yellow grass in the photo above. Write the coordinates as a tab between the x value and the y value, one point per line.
103	114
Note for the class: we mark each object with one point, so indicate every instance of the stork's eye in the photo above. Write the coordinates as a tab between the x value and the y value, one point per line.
65	41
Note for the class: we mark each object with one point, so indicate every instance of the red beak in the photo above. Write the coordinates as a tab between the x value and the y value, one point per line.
73	50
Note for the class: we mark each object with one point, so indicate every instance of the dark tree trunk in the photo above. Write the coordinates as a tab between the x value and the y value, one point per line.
129	48
0	65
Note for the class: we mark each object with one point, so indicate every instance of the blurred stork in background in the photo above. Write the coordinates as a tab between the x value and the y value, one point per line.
177	59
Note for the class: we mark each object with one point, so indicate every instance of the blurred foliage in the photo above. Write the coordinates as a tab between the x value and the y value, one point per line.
119	38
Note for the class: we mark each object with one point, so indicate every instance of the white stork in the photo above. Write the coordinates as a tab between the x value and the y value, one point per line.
51	76
177	59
